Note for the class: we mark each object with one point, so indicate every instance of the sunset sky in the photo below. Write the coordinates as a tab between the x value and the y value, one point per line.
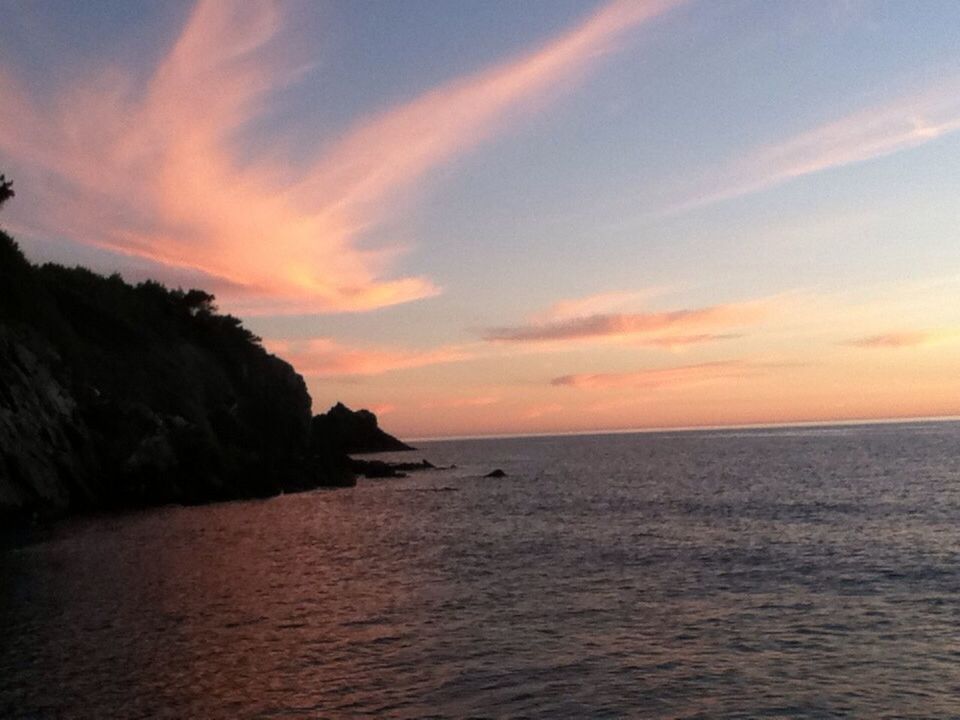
480	217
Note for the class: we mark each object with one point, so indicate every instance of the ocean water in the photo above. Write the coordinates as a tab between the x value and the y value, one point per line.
797	573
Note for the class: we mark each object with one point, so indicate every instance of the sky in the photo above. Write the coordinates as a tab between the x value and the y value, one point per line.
490	217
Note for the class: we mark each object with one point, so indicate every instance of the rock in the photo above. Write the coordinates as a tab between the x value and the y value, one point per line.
498	473
354	432
381	469
120	396
45	451
375	469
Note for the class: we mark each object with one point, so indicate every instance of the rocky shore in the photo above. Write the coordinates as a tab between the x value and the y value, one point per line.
119	396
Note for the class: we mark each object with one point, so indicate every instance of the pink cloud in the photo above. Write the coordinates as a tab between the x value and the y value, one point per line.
677	341
906	339
462	402
539	411
908	121
324	357
599	303
652	378
154	171
382	409
634	324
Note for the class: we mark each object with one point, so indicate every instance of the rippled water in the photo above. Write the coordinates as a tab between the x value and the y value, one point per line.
780	573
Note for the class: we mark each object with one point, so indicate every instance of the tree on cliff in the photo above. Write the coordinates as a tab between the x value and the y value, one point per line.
199	302
6	189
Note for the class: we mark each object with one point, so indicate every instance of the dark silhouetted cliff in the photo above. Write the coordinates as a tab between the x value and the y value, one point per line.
116	396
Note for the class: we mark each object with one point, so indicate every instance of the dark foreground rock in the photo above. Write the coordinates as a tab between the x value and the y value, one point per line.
498	473
118	396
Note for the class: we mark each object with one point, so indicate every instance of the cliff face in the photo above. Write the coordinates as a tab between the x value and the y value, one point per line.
114	395
45	456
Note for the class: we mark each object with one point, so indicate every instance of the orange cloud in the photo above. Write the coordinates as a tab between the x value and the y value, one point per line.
382	409
660	377
624	325
462	402
155	171
595	304
539	411
906	122
324	357
905	339
677	341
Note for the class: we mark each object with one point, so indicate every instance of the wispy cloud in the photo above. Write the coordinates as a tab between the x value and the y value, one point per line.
651	378
907	122
325	357
660	327
673	342
469	401
607	302
904	339
155	172
539	411
382	409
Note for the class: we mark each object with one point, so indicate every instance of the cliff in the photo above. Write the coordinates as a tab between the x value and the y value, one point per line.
116	396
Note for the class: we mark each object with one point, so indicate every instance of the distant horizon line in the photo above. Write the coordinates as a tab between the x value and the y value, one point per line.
696	428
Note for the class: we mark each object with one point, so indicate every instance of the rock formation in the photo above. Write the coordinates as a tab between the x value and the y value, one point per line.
354	432
117	396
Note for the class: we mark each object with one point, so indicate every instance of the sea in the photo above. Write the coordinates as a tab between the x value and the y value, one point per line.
809	572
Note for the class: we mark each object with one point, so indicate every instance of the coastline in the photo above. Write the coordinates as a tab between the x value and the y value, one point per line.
116	396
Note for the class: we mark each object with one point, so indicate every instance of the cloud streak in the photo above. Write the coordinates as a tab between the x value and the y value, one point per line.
673	342
904	339
325	357
620	325
156	172
907	122
599	303
653	378
470	401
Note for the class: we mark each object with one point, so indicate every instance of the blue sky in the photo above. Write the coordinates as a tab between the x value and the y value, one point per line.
430	185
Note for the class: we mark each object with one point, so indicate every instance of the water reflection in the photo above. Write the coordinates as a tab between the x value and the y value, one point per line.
688	575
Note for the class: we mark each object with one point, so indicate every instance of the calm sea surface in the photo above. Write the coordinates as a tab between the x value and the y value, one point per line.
806	573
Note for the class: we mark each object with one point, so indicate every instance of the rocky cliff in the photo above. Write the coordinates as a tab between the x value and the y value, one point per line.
115	396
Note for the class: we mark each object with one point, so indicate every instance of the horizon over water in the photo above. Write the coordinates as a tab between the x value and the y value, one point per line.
800	572
786	425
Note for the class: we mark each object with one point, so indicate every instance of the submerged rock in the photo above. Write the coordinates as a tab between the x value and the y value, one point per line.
381	469
375	469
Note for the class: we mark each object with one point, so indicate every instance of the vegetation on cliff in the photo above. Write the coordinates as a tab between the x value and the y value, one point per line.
116	395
